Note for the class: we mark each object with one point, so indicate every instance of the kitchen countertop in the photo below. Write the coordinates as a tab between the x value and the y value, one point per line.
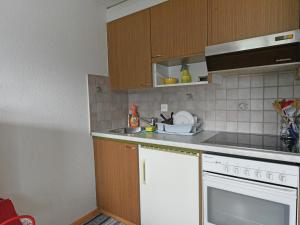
196	142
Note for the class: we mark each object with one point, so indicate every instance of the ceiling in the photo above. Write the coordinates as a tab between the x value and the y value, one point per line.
111	3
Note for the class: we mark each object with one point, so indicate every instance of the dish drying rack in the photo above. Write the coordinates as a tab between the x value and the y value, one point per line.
185	130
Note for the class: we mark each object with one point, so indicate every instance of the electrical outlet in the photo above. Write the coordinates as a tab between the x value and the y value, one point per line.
243	106
164	107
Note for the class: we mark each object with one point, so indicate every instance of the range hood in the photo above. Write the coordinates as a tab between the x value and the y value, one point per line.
273	51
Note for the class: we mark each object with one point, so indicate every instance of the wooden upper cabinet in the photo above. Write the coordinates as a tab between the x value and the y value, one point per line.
129	51
179	28
231	20
117	179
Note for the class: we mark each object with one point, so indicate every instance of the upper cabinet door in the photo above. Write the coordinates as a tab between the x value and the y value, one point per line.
179	28
129	51
231	20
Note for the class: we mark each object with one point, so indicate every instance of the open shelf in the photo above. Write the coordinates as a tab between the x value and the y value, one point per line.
171	68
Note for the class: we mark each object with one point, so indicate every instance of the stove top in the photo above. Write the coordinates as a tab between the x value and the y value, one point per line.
266	142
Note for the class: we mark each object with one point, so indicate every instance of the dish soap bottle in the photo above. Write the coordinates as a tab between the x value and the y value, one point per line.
134	118
185	74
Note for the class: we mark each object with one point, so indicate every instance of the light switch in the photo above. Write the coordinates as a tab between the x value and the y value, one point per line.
164	107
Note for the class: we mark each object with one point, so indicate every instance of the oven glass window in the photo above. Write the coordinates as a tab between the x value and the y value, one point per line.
228	208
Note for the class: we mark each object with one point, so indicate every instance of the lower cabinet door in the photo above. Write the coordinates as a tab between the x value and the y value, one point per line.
117	180
169	188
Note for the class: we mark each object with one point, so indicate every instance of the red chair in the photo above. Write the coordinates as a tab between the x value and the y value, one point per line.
25	220
8	215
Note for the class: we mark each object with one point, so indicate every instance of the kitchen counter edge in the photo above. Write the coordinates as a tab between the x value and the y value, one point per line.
203	147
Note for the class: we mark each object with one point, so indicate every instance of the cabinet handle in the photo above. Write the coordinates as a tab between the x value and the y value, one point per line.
144	172
283	60
130	147
156	56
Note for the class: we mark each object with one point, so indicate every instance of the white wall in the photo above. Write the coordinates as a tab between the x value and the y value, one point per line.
130	7
47	47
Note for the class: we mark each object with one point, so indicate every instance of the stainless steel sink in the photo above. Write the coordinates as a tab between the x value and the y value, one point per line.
127	130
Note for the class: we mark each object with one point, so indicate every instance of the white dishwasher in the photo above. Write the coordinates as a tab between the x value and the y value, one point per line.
169	186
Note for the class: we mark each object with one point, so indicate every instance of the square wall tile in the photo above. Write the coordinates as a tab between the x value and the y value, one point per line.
210	125
268	104
257	93
243	127
257	104
270	80
220	94
270	128
232	127
257	81
232	82
256	140
211	105
220	126
257	116
221	105
201	105
232	104
210	92
210	116
297	92
244	116
297	82
286	92
221	116
256	128
244	82
270	117
286	78
233	94
244	93
232	116
270	92
200	94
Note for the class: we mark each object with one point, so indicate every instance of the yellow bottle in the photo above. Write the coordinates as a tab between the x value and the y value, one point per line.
185	74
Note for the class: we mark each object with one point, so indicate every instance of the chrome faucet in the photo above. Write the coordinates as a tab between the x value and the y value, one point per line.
151	121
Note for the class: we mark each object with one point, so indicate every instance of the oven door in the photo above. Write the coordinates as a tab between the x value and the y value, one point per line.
234	201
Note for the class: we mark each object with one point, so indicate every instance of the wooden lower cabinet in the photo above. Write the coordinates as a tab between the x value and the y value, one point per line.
117	179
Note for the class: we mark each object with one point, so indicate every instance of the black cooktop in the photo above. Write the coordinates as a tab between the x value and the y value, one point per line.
267	142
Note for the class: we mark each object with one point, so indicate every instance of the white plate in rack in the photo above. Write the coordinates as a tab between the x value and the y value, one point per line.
183	117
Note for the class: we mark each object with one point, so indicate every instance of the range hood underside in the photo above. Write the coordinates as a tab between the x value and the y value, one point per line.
269	58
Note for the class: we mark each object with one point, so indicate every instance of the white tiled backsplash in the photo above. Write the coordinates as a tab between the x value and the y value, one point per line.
242	103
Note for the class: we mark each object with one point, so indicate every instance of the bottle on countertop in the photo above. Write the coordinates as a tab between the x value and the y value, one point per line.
134	118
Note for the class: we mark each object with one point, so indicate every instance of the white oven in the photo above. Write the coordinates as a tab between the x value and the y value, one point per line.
248	192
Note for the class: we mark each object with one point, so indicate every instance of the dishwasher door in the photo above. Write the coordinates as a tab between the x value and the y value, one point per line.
169	187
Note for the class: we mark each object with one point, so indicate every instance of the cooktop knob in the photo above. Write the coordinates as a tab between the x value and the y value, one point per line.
236	170
247	172
269	176
258	174
282	178
226	169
